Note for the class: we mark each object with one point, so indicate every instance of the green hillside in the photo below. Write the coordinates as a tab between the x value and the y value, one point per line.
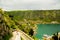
35	15
26	21
7	25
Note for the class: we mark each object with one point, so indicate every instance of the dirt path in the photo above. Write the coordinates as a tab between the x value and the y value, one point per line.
16	36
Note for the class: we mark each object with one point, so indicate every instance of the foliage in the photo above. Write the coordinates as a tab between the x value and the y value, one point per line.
9	23
5	32
25	21
44	15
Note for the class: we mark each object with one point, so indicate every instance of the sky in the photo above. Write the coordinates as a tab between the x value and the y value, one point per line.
29	4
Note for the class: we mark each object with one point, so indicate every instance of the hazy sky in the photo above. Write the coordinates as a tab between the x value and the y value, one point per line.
29	4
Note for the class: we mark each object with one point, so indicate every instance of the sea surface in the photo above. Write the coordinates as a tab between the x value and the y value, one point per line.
48	29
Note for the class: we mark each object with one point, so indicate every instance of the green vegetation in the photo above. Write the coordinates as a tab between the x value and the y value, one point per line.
5	32
40	16
25	21
7	25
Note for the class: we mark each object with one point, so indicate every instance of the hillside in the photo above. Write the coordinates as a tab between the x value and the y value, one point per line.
7	25
36	15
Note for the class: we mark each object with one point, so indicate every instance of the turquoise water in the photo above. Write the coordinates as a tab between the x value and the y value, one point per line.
48	29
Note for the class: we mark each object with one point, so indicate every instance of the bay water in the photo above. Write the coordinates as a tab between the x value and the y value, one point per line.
48	29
